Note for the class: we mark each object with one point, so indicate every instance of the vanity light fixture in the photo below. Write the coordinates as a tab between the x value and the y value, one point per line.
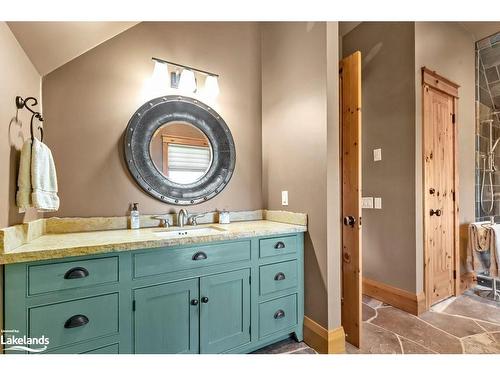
186	79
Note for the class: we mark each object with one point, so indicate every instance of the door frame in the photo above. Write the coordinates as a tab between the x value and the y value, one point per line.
351	234
432	80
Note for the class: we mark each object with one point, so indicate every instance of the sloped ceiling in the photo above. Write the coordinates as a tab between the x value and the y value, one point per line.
480	30
52	44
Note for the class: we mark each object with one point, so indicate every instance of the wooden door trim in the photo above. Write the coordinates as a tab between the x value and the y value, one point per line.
350	155
432	80
438	82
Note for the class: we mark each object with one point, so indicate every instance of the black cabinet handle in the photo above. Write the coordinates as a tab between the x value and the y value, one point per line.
279	276
194	302
200	255
279	314
76	273
204	299
76	321
279	245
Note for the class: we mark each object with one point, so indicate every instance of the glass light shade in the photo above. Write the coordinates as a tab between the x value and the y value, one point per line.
160	81
211	89
187	82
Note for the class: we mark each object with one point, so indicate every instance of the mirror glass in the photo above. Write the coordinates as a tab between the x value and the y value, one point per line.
181	152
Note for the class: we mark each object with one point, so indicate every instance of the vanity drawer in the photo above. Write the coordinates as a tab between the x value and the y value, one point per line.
277	314
75	321
156	262
270	247
66	275
278	276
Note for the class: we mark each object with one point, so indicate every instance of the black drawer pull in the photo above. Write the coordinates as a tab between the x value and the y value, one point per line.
76	321
279	314
279	245
194	302
76	273
279	276
200	255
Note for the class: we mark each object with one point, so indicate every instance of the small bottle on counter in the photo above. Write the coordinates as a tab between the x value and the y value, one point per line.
224	217
134	217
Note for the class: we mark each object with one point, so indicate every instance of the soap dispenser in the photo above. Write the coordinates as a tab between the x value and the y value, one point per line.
134	217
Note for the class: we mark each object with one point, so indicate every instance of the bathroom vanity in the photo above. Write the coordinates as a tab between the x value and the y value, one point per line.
136	292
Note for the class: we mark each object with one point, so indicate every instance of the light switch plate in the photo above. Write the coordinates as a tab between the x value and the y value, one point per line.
377	154
284	198
377	203
367	202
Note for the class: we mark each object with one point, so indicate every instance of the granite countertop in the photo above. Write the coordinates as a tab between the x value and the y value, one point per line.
61	245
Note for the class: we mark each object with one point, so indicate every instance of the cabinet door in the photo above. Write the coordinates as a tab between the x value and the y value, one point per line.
166	318
224	311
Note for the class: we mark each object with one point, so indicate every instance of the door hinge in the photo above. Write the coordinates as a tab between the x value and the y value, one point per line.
453	118
249	279
249	330
454	274
133	305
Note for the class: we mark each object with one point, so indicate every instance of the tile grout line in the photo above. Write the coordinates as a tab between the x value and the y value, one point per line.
406	338
400	344
473	319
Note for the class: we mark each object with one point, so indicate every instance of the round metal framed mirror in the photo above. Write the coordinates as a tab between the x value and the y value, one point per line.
179	150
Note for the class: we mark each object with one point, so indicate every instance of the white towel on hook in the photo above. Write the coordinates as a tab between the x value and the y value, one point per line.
43	178
23	195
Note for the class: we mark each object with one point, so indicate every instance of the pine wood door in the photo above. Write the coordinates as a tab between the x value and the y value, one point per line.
440	183
350	97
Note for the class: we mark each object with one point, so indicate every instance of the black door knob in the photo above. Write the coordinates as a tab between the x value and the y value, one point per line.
204	299
349	221
194	302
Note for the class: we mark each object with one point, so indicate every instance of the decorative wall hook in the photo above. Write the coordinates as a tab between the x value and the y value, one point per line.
23	103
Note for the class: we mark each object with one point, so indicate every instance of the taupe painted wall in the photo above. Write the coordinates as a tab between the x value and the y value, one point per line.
88	102
388	106
448	48
18	77
294	140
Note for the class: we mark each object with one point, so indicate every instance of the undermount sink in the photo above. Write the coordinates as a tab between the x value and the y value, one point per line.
187	232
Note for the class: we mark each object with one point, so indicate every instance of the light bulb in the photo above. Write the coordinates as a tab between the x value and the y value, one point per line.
187	82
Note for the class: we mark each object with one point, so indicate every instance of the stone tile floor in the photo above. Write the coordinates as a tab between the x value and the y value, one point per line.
466	324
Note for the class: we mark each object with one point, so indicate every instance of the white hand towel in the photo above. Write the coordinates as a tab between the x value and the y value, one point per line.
23	196
43	178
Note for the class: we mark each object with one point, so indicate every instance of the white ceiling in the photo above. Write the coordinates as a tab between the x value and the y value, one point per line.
52	44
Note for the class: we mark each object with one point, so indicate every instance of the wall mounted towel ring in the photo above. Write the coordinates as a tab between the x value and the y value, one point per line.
23	103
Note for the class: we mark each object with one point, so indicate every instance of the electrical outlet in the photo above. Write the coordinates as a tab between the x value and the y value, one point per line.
377	154
367	202
284	198
377	203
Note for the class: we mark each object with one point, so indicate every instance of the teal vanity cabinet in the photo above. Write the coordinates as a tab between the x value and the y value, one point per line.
218	297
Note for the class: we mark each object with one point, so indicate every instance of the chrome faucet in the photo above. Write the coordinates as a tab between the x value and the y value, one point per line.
182	217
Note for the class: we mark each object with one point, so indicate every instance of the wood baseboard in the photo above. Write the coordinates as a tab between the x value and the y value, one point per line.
410	302
322	340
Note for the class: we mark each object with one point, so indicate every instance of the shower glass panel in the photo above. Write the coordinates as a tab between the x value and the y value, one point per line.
488	128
